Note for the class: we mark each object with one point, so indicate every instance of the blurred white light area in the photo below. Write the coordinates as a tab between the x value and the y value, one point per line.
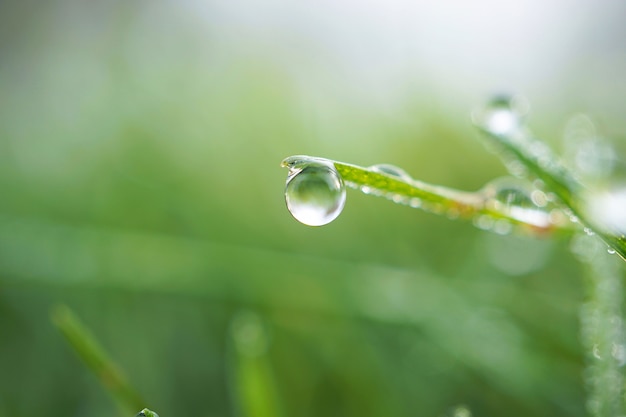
381	48
335	65
608	209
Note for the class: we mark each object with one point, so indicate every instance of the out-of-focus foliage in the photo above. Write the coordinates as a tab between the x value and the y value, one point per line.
140	185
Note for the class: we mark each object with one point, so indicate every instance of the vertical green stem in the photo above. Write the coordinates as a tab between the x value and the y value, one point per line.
602	332
252	380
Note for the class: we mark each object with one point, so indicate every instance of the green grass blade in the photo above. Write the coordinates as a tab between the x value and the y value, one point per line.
541	162
96	359
432	198
602	331
253	386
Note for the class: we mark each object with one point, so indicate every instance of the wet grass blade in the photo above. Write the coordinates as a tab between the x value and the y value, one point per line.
403	189
252	382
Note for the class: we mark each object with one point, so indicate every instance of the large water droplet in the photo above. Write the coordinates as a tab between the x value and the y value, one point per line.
315	193
503	115
519	200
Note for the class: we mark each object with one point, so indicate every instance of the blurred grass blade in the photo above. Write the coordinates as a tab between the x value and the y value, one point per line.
96	359
253	387
536	157
602	329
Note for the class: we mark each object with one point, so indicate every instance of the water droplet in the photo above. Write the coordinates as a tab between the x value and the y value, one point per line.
315	193
502	227
483	222
595	351
391	170
516	167
611	251
503	115
415	202
517	199
539	198
399	198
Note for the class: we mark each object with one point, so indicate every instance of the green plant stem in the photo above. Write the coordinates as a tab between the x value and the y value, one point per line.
602	332
252	382
96	359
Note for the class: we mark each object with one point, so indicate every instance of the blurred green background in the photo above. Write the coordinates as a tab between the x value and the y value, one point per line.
140	145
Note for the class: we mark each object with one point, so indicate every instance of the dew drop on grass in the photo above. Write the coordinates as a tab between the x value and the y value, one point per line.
503	115
517	199
391	170
315	194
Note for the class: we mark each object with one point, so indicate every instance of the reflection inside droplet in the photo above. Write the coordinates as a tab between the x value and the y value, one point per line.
518	199
315	194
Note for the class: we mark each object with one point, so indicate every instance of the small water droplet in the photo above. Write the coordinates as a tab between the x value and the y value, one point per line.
391	170
415	202
595	351
611	251
483	222
515	198
398	198
539	198
516	167
315	193
502	227
503	115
